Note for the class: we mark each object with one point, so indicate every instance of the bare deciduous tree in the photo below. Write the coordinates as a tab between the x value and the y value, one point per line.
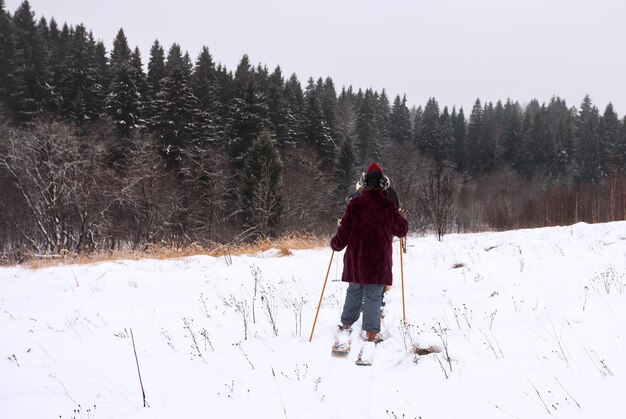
437	196
62	180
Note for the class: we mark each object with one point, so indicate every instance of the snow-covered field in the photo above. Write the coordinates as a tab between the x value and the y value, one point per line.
533	321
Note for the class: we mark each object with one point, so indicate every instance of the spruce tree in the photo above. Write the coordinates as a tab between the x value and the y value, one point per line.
487	149
345	170
368	149
383	121
140	82
28	87
400	123
124	100
294	118
248	113
588	146
79	88
417	126
176	120
60	43
429	136
103	70
155	75
261	78
203	85
511	136
316	130
261	193
459	133
328	100
474	135
120	54
610	127
559	128
621	149
445	154
346	113
522	160
7	51
224	88
277	106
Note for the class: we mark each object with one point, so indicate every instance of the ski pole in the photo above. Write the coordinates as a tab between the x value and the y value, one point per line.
402	276
321	296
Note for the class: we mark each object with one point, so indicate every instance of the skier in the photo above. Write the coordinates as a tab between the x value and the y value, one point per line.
367	229
393	196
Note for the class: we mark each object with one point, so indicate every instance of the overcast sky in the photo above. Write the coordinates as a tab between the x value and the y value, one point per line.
453	50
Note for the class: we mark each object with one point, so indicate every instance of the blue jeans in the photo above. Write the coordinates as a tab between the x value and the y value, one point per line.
371	297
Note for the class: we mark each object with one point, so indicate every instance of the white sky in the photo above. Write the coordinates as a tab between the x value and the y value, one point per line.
454	50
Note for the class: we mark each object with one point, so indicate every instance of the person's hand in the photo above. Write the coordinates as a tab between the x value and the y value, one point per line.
338	221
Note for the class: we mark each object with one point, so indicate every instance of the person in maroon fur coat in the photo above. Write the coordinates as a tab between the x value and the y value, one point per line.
367	229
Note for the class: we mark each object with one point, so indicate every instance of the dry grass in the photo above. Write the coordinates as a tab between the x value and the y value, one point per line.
425	351
284	246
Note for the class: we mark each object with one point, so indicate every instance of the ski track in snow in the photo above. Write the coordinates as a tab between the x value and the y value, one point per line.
534	323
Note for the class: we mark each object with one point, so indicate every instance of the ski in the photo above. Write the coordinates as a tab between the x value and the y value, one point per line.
341	347
366	354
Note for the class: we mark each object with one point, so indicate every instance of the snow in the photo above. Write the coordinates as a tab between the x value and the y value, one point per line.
534	322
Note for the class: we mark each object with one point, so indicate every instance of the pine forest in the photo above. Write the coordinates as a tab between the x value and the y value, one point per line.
105	150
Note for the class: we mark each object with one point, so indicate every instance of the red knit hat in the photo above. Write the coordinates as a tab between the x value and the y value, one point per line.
374	166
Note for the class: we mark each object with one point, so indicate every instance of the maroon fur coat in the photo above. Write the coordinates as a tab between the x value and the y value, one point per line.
367	228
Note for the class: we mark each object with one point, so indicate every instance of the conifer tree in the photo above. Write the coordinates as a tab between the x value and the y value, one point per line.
187	66
261	78
511	136
44	34
248	113
176	119
278	107
124	100
60	44
429	136
474	134
347	114
120	54
609	131
488	145
203	85
103	70
621	149
261	194
28	82
81	94
7	51
345	170
294	117
316	130
417	126
140	81
522	160
445	155
459	134
224	88
588	146
559	128
383	120
400	123
368	149
328	100
155	75
538	143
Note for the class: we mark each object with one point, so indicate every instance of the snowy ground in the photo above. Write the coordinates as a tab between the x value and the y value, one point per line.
534	322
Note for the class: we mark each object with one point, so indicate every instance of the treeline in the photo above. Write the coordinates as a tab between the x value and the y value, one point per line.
98	152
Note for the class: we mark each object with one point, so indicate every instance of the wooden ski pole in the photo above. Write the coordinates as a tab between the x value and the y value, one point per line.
321	296
402	276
